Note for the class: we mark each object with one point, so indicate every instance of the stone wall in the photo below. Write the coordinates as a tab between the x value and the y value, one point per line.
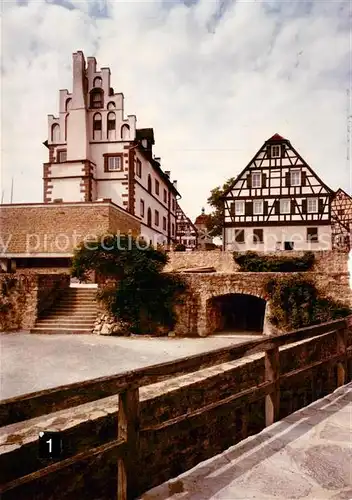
56	228
170	450
326	261
24	296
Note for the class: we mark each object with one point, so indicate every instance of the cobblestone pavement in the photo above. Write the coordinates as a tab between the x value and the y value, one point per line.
32	362
307	455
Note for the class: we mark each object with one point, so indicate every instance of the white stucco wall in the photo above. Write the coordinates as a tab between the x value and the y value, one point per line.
67	190
275	234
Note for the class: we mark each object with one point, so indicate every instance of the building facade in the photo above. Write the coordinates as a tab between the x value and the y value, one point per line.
277	203
341	220
97	153
204	237
186	232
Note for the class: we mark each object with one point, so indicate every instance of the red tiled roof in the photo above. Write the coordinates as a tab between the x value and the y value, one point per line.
277	137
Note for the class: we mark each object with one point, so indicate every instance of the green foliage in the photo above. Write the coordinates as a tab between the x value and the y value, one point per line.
251	261
138	293
180	247
215	219
295	303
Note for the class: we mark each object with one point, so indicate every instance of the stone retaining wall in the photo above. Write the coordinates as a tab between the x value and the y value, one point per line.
24	296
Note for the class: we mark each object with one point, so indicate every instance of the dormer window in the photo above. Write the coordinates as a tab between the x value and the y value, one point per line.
256	180
145	143
295	177
276	151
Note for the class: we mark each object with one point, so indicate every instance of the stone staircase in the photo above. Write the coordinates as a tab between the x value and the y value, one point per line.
74	313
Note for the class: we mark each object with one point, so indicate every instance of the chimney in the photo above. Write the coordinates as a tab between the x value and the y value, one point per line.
167	173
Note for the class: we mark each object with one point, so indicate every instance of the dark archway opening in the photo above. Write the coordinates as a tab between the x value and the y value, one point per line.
237	313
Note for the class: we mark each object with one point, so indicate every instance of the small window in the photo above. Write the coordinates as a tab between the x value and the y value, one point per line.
256	180
312	205
258	236
142	208
149	184
156	217
173	229
125	132
62	156
97	82
96	99
340	212
68	104
239	207
113	163
149	217
276	151
295	178
111	105
239	235
145	143
165	196
138	168
55	133
173	205
111	121
157	186
289	245
285	206
97	127
312	234
164	223
257	207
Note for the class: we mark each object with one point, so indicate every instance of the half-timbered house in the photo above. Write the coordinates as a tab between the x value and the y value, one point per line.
277	202
341	221
186	232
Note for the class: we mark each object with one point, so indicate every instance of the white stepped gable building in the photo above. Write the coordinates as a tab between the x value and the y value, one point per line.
96	153
277	203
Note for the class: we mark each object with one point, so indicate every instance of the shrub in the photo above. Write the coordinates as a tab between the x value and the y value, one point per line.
253	262
138	292
295	303
180	247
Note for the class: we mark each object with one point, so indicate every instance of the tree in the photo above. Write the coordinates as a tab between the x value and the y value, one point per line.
215	219
140	294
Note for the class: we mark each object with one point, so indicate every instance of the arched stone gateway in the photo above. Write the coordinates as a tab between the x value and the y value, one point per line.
236	313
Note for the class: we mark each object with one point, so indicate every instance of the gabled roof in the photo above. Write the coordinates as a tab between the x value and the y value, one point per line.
145	133
276	137
341	191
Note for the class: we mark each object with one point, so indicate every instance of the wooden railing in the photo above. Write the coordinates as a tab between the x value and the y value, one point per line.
125	447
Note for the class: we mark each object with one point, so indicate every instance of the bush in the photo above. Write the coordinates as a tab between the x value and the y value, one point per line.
295	303
180	247
253	262
139	293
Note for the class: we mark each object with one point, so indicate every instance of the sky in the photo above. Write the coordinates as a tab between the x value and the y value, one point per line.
215	79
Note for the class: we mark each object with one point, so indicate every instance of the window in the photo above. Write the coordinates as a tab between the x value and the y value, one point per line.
258	236
149	217
138	168
96	99
165	196
239	235
97	82
173	229
97	128
55	133
164	223
156	217
285	206
125	132
61	155
295	178
142	208
111	105
289	245
149	184
312	205
113	162
173	205
257	207
239	207
157	185
111	121
256	180
276	151
312	234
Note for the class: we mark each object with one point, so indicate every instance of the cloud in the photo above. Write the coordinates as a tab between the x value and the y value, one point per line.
214	80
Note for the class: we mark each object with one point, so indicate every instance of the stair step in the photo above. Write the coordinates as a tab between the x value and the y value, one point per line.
66	326
61	330
52	322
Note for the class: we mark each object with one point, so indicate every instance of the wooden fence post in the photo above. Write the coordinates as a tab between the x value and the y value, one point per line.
272	373
341	349
128	429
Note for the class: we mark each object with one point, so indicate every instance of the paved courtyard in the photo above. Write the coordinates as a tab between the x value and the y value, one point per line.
307	455
34	362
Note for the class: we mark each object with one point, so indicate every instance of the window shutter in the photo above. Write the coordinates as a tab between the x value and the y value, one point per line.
264	180
268	151
304	206
277	206
249	181
304	178
288	179
321	206
249	208
232	209
266	208
293	206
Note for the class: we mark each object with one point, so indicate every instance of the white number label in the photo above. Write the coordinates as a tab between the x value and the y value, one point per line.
50	444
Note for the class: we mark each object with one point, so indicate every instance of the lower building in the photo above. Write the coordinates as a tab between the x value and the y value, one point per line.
341	221
186	232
